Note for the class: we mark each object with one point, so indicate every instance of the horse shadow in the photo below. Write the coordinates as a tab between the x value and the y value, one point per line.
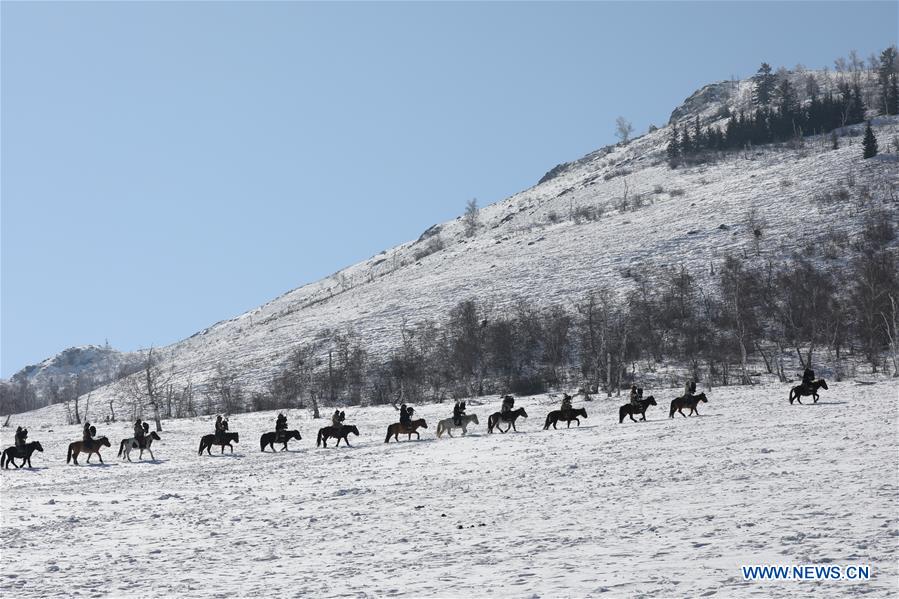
826	403
96	465
27	469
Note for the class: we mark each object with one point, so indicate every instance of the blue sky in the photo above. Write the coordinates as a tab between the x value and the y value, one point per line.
167	165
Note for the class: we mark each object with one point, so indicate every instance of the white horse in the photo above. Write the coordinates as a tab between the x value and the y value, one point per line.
447	425
128	444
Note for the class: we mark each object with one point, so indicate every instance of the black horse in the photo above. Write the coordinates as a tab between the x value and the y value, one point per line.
337	432
687	401
567	416
803	391
630	409
224	440
273	437
10	454
510	417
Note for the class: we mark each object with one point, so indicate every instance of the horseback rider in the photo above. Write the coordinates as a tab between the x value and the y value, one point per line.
139	433
808	378
566	403
406	415
281	422
221	426
635	396
508	402
336	419
21	435
458	413
689	388
87	436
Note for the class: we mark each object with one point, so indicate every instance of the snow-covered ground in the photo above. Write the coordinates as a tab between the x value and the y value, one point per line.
661	508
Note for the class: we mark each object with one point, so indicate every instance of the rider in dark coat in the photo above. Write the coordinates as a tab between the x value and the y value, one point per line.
281	423
21	435
458	411
335	419
808	378
566	403
689	388
87	436
139	433
406	415
508	402
220	426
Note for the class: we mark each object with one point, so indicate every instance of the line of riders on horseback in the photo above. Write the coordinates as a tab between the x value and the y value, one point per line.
508	414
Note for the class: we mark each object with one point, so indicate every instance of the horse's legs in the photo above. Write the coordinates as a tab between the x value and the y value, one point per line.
151	454
346	441
631	416
285	447
231	447
417	436
100	457
815	396
681	412
449	432
89	454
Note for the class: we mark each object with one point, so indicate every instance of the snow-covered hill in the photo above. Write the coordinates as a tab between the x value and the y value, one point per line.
589	224
91	362
665	508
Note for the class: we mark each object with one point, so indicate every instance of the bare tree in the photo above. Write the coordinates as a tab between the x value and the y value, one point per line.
146	388
471	217
623	129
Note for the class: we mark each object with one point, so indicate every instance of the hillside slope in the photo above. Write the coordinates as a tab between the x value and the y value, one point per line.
536	244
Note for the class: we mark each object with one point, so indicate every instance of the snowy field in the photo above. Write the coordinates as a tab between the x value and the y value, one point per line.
662	508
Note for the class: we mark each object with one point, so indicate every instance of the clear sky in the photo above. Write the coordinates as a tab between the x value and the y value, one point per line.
164	166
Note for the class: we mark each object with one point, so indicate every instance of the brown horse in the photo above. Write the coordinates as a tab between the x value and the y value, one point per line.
803	391
78	447
338	432
567	416
23	453
398	428
677	405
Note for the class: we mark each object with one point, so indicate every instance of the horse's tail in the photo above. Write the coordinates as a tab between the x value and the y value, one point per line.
439	427
262	442
673	408
622	412
3	458
792	391
121	448
548	421
69	456
200	452
389	431
318	441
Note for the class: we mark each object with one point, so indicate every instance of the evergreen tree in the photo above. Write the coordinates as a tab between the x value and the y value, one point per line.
869	144
764	85
888	80
673	149
697	135
686	144
856	110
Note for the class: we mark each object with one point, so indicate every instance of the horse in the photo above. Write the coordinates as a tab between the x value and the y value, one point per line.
510	417
78	447
630	409
207	441
567	415
23	453
448	424
398	428
127	445
271	438
338	432
691	402
802	391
